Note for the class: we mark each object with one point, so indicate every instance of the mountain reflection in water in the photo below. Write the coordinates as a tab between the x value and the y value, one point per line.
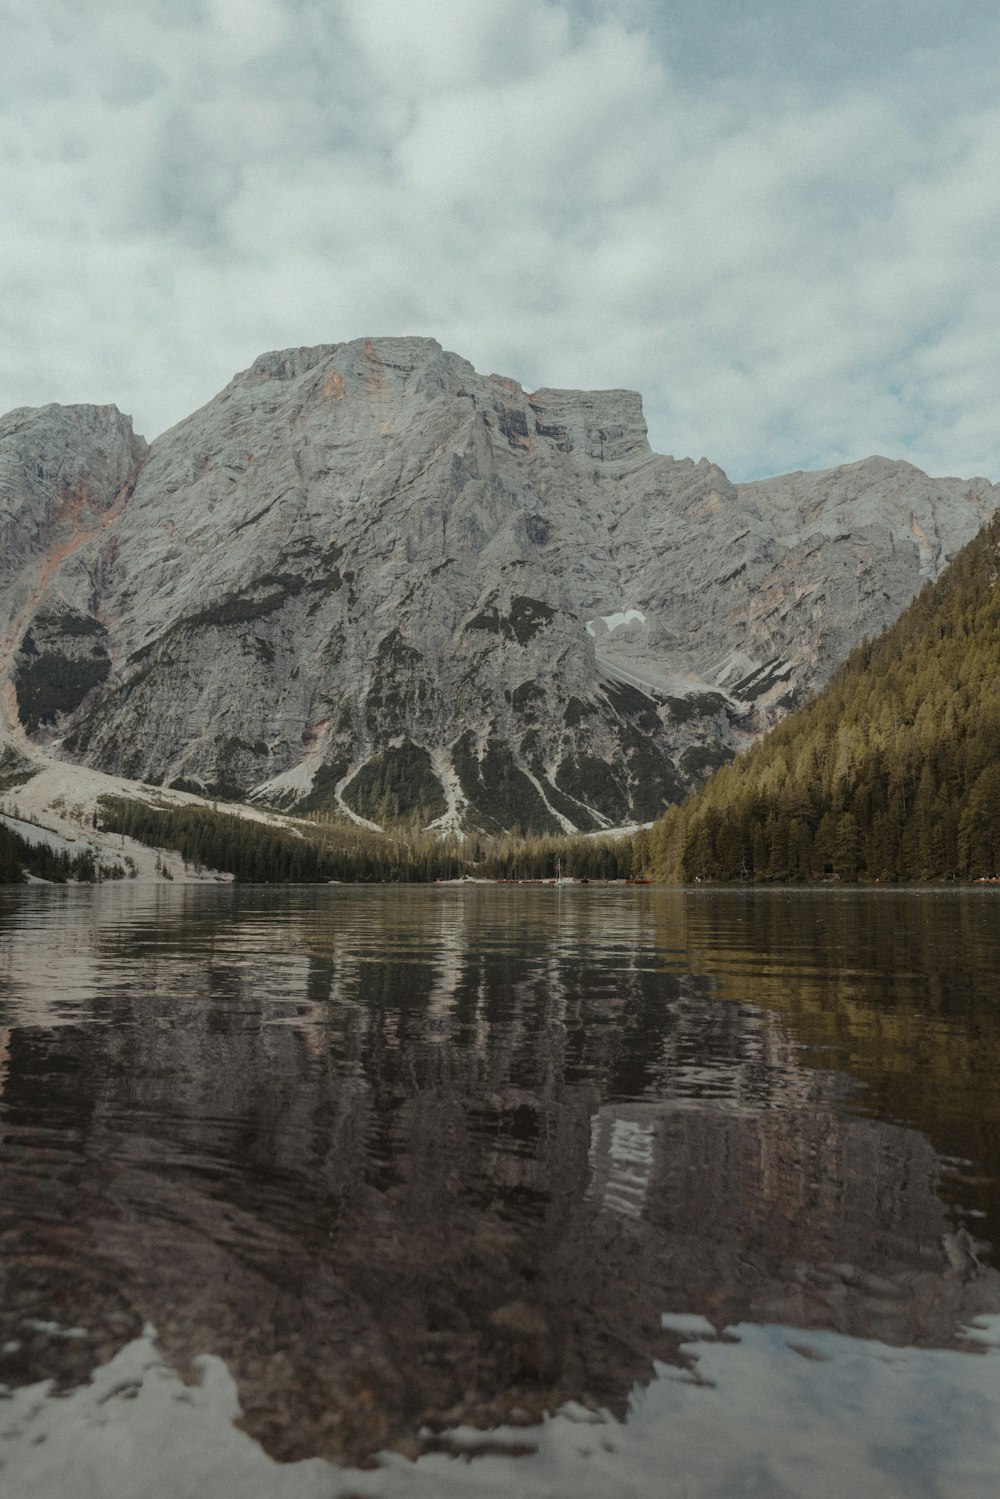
409	1158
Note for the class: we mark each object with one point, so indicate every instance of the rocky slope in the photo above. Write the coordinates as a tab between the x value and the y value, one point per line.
366	575
891	773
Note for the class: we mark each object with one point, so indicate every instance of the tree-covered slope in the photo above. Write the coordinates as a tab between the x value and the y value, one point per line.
891	773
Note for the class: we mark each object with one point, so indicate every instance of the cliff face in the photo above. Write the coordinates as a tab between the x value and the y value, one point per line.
366	574
61	469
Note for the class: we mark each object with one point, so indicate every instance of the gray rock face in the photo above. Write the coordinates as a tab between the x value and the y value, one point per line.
61	469
64	471
365	574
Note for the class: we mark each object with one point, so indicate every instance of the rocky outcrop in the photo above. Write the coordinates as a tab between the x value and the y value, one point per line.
61	470
366	575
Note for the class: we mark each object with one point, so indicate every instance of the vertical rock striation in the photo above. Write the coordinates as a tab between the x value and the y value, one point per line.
366	575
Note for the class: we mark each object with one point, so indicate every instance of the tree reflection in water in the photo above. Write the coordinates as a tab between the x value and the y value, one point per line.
408	1158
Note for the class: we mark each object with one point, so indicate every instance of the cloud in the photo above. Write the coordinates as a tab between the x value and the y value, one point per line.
452	45
794	262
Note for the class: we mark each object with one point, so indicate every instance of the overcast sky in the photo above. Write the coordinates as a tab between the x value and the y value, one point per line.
778	221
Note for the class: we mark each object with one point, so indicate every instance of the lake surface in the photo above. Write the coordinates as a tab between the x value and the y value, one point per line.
499	1191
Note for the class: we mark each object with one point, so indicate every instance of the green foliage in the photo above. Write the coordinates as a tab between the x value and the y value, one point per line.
701	759
263	597
527	616
761	680
395	784
398	687
265	852
891	773
578	815
270	592
498	791
576	711
526	698
14	855
490	620
698	705
49	683
322	849
14	770
542	858
592	780
707	704
629	702
20	857
682	709
69	622
321	797
654	782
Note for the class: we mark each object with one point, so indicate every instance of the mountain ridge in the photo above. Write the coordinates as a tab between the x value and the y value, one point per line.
367	577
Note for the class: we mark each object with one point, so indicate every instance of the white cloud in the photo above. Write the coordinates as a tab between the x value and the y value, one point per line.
452	44
794	271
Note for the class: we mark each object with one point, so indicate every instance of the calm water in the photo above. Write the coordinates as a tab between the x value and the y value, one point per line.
294	1177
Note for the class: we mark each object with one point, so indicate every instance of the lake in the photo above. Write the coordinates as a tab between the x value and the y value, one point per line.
503	1191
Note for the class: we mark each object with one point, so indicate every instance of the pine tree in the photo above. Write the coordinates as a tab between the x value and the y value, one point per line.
890	772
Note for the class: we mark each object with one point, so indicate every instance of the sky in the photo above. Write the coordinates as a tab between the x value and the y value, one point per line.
780	222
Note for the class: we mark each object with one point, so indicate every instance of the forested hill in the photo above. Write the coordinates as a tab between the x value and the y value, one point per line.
891	773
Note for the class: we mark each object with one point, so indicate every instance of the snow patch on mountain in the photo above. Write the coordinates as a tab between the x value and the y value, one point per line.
612	622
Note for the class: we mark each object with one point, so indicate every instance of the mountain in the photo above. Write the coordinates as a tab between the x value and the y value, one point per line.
891	773
366	576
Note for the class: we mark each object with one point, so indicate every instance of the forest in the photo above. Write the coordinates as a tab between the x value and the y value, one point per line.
19	858
320	847
323	847
891	773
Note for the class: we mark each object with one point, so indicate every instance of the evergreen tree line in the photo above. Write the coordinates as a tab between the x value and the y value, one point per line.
547	855
19	858
322	848
891	773
260	852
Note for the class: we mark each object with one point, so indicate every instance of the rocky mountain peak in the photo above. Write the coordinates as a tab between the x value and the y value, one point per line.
366	576
606	426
